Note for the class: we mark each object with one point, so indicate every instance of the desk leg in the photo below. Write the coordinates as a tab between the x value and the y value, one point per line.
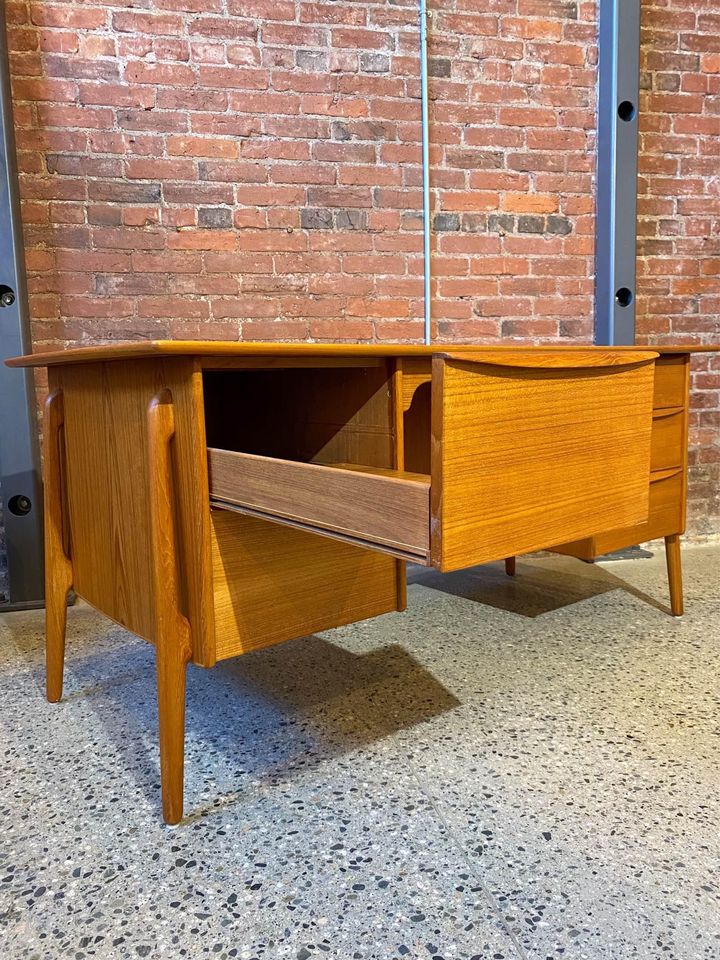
674	568
58	568
510	566
172	630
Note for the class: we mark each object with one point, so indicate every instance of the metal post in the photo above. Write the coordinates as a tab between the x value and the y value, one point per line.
20	483
616	215
424	96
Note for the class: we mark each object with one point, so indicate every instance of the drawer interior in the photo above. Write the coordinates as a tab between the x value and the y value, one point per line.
316	448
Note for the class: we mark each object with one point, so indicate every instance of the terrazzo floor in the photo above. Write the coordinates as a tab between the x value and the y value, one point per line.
512	769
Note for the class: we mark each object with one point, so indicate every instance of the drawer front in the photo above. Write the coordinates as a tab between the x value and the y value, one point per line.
384	509
671	381
669	440
527	457
666	516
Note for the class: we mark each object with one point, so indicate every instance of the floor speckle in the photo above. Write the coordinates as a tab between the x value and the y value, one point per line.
512	769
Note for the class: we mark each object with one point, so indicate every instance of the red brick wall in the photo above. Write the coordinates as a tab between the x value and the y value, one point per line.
679	210
251	168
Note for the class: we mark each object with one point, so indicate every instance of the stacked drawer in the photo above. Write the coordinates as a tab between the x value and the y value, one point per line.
668	466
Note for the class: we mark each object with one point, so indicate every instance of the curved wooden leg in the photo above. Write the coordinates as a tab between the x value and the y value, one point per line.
172	630
674	568
58	568
510	566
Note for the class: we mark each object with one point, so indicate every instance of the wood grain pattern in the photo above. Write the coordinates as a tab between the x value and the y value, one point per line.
374	508
415	372
58	567
668	486
398	425
674	569
274	583
665	512
306	414
108	481
147	349
670	382
416	429
536	358
669	439
172	630
523	457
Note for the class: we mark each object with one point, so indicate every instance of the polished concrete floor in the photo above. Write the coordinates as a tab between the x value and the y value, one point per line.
512	769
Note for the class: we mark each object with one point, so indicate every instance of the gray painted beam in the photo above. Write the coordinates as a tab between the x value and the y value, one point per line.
616	215
20	483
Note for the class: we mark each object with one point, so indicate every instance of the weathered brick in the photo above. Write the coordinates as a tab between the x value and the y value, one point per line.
443	222
531	224
214	218
316	219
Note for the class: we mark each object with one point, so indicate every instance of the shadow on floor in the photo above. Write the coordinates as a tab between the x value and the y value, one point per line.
538	587
268	715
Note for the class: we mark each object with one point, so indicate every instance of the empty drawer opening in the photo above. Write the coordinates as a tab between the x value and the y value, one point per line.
316	415
315	449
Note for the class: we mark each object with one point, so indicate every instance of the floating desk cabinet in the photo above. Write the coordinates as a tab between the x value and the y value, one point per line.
215	498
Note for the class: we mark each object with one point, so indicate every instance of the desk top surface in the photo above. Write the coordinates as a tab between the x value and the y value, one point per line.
143	349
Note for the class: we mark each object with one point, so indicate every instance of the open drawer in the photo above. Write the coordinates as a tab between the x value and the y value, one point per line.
371	507
528	448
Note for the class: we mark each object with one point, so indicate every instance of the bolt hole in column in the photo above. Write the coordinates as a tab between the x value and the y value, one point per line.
7	295
20	505
626	111
623	297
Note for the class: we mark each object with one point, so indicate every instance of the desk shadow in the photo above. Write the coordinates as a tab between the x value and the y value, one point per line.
263	717
541	585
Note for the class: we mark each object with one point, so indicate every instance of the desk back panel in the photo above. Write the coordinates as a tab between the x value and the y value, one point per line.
107	482
522	456
321	415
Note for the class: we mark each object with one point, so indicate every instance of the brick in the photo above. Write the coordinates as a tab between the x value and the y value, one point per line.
201	147
531	224
140	22
169	74
444	222
214	218
316	219
561	225
529	203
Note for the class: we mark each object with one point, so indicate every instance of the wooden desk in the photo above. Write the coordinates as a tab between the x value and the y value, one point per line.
215	498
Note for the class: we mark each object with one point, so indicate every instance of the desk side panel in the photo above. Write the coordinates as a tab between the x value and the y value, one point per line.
275	583
107	490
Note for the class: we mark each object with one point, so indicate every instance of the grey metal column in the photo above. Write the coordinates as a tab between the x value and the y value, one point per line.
616	215
20	483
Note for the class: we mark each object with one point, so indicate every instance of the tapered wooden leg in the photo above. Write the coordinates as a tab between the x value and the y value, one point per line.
674	568
58	568
510	566
172	630
171	666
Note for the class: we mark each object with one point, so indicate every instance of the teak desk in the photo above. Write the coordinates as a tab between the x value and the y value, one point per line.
215	498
